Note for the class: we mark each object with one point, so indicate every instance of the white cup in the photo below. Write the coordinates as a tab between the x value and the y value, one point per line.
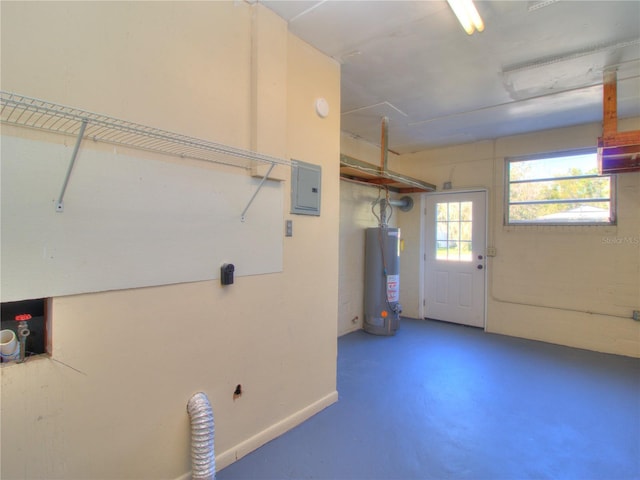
9	346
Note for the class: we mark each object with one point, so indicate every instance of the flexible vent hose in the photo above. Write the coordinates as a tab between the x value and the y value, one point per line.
203	460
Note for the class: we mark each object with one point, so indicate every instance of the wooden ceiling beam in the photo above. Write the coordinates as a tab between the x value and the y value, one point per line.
618	152
609	103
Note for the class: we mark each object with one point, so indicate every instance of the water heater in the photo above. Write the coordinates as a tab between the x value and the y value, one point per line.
382	281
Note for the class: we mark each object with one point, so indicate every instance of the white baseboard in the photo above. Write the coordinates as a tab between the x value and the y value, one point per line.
226	458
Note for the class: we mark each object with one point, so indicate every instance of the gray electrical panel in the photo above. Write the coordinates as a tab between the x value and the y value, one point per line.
305	188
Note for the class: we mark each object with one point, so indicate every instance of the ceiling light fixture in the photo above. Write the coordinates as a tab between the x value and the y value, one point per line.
467	15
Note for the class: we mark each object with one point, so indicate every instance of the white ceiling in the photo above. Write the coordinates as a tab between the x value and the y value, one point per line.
537	65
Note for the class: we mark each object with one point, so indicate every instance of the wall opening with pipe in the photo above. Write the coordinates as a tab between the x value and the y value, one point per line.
32	318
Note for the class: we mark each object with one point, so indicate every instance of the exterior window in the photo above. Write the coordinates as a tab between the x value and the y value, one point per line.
560	189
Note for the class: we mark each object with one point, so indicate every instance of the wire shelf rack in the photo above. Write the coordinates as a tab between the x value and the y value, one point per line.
29	112
43	115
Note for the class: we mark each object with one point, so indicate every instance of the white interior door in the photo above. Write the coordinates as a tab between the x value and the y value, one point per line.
455	256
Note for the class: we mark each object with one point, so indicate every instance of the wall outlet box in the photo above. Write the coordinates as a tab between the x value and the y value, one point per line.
226	274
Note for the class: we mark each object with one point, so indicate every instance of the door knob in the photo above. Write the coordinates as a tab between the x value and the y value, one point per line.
479	267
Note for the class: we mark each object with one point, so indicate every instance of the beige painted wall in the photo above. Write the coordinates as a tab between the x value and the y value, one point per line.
111	401
411	282
576	285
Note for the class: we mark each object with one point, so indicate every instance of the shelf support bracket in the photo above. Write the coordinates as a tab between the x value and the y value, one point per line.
266	175
59	203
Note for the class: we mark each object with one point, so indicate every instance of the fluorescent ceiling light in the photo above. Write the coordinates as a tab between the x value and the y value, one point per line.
467	15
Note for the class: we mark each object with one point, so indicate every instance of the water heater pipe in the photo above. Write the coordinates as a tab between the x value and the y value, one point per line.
9	346
23	333
405	203
203	460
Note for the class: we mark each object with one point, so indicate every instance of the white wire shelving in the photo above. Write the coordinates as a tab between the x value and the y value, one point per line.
24	111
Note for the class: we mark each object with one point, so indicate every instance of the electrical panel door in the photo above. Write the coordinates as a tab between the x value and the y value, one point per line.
305	188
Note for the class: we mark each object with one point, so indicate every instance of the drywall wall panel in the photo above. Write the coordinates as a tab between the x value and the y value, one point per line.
194	80
127	222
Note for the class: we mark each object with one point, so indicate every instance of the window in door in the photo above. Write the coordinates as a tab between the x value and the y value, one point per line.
453	231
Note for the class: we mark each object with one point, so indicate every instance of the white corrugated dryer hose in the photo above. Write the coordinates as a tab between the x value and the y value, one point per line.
203	460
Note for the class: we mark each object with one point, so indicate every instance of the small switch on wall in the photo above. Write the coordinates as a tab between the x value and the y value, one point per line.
289	228
491	251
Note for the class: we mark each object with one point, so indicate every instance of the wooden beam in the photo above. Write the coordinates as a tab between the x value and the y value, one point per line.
410	190
609	102
615	139
382	181
384	145
618	152
368	173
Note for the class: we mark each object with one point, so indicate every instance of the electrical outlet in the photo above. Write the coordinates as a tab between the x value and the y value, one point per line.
636	315
491	251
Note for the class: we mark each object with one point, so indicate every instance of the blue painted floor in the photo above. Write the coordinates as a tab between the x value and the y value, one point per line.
443	401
